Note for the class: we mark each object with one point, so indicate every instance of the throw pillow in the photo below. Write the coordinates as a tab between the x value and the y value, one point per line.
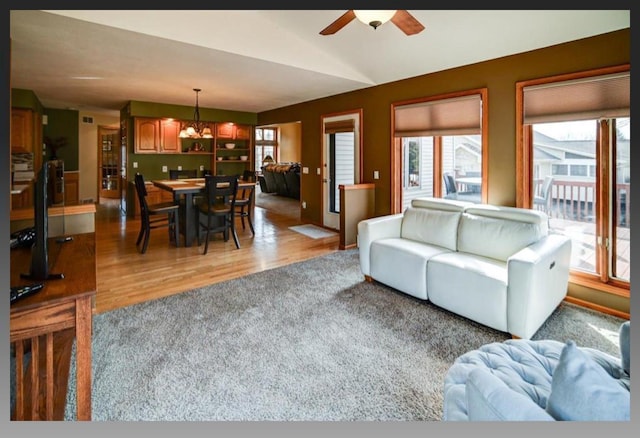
581	390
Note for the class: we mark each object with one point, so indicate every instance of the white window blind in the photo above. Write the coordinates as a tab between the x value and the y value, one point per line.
598	97
453	116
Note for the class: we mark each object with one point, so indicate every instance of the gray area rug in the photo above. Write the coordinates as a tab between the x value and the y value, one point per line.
309	341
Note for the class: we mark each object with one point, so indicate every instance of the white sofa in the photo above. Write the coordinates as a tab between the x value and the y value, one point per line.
498	266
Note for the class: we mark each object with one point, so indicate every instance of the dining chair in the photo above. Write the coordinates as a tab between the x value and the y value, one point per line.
158	215
543	200
453	193
216	210
244	200
183	173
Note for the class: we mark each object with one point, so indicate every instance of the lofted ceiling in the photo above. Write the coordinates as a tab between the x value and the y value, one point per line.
257	60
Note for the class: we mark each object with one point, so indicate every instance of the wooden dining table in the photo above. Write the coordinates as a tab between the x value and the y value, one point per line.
188	187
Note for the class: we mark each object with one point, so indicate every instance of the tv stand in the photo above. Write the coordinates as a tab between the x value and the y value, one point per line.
45	326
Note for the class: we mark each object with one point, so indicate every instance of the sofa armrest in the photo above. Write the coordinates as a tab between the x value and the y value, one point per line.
370	230
538	277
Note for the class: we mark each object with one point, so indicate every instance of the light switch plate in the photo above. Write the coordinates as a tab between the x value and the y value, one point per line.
179	167
135	164
202	168
376	174
305	170
164	169
319	171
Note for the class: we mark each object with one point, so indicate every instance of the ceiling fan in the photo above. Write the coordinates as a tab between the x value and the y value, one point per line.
401	18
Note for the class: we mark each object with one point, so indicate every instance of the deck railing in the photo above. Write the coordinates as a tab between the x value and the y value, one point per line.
574	200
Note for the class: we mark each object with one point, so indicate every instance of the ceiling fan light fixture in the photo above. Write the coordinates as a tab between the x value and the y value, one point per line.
374	18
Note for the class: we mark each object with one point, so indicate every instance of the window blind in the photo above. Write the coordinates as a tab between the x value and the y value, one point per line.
598	97
453	116
346	125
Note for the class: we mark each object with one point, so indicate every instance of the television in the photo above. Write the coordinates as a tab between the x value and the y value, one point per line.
39	269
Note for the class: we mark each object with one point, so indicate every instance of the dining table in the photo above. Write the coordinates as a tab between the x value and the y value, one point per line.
190	187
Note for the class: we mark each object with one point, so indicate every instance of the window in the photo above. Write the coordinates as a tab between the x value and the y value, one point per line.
411	160
435	137
574	129
266	144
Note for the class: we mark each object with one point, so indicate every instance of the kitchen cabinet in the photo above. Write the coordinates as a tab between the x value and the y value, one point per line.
21	130
170	141
233	131
157	136
146	135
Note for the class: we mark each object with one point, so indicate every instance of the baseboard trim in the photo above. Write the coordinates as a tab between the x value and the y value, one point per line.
597	307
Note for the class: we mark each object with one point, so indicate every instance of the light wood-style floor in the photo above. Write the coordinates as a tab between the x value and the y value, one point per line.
126	277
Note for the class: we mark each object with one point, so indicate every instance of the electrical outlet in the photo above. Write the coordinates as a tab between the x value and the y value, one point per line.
376	174
304	204
165	169
179	167
135	164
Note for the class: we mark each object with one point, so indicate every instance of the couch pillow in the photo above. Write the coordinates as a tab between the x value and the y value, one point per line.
625	346
490	399
581	390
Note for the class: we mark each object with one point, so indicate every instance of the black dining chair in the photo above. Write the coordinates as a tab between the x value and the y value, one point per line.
158	215
216	210
183	173
244	199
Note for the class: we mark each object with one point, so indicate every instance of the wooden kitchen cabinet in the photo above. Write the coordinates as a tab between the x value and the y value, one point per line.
170	136
156	136
21	130
146	136
233	131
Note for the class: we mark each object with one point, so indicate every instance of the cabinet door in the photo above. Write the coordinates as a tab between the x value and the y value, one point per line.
243	132
225	130
21	130
147	135
169	136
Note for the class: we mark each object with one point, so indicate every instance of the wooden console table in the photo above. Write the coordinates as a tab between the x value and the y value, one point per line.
44	325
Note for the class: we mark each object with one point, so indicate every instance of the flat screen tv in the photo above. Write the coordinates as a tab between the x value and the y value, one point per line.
39	270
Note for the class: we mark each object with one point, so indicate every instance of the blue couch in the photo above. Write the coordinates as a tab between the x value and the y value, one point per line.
545	380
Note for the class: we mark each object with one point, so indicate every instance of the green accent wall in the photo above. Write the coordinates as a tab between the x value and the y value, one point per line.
21	98
65	124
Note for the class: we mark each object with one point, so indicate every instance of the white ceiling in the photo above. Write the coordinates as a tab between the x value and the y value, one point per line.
250	60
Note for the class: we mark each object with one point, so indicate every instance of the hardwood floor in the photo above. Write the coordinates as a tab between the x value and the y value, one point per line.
126	277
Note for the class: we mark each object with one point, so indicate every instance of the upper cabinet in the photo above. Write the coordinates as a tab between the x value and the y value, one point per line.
156	136
232	131
21	130
146	135
170	136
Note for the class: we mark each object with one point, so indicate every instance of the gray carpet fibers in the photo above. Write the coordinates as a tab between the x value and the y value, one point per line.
309	341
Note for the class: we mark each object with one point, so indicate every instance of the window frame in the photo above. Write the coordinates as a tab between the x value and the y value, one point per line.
601	280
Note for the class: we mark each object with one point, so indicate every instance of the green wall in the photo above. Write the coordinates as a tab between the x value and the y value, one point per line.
25	99
64	124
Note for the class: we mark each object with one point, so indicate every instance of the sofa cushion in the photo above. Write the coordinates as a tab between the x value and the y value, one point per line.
499	232
434	227
490	399
582	390
402	264
472	286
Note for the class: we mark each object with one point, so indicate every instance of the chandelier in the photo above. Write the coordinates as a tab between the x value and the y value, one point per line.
196	128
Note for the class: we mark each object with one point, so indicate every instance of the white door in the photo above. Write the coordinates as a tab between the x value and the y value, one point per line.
340	167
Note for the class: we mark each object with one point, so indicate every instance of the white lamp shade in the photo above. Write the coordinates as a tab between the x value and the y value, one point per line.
369	16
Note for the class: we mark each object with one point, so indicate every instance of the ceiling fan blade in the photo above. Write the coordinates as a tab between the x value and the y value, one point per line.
406	22
339	23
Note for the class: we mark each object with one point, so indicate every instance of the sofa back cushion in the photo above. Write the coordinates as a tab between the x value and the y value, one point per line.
432	226
499	232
